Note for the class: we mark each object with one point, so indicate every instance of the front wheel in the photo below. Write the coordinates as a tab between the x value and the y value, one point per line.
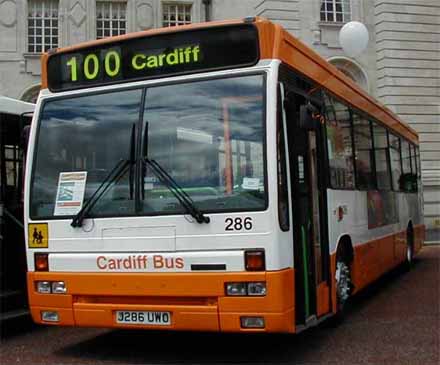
343	291
343	284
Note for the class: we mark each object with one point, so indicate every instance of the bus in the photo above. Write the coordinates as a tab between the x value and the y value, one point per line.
15	116
217	176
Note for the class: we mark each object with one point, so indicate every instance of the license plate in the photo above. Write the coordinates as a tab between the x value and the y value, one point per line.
150	318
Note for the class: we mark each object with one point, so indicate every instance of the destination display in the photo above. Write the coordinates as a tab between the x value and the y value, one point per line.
154	56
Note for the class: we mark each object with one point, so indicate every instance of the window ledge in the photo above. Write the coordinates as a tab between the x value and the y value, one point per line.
32	55
332	24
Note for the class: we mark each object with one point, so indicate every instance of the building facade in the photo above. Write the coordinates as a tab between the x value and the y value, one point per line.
400	67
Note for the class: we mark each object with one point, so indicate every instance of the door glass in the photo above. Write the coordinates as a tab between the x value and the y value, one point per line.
315	206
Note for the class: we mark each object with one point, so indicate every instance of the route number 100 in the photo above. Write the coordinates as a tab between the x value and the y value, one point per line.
91	66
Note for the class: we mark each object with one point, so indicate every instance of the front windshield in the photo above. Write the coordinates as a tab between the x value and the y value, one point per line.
208	135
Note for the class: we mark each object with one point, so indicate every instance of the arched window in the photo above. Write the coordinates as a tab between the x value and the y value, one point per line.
31	94
352	70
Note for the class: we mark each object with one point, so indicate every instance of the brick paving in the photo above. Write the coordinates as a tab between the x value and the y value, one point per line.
395	321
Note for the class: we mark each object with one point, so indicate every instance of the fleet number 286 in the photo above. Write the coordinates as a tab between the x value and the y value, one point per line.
238	224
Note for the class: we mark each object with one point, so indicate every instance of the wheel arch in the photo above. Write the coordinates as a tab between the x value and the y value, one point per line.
344	249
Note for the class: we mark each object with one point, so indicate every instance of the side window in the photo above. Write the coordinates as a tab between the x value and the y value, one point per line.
414	160
408	181
283	196
339	144
419	168
383	173
396	166
363	153
406	157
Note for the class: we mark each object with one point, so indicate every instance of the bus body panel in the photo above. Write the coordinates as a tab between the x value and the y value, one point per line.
196	300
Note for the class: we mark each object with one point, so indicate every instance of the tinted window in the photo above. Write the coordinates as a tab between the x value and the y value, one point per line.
396	167
283	196
408	181
382	157
419	168
339	144
363	153
413	159
406	157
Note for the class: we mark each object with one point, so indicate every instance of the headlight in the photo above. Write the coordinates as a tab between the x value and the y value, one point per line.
48	287
58	287
246	289
257	289
235	289
43	287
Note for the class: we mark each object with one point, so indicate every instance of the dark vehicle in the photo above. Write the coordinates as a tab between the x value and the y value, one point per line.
15	118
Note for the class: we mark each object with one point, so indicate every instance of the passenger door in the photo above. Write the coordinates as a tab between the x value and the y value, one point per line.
311	258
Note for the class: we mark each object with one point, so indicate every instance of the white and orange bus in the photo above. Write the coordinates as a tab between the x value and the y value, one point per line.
215	177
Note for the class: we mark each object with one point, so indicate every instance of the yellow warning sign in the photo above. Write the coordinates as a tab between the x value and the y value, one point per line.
38	235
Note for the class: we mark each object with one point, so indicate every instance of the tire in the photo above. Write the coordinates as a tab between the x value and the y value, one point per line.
409	258
344	288
343	284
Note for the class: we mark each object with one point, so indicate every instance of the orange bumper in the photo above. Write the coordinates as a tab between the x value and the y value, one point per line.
196	301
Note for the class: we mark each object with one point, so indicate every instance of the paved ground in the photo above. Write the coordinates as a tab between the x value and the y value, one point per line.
396	321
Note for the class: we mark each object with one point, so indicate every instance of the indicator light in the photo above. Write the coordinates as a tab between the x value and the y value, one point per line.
254	260
41	262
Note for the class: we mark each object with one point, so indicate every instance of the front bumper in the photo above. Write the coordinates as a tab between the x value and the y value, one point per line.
197	301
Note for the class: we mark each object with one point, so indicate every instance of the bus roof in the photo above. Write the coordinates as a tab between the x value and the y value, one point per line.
276	43
14	106
296	54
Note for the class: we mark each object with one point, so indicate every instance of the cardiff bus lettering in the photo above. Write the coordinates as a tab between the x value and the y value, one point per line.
140	61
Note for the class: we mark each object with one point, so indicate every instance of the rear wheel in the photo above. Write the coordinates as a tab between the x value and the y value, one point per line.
409	250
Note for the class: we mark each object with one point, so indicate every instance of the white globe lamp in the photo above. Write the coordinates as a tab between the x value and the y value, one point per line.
353	38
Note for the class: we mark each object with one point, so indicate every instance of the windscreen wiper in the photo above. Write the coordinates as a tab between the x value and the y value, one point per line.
183	198
114	176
